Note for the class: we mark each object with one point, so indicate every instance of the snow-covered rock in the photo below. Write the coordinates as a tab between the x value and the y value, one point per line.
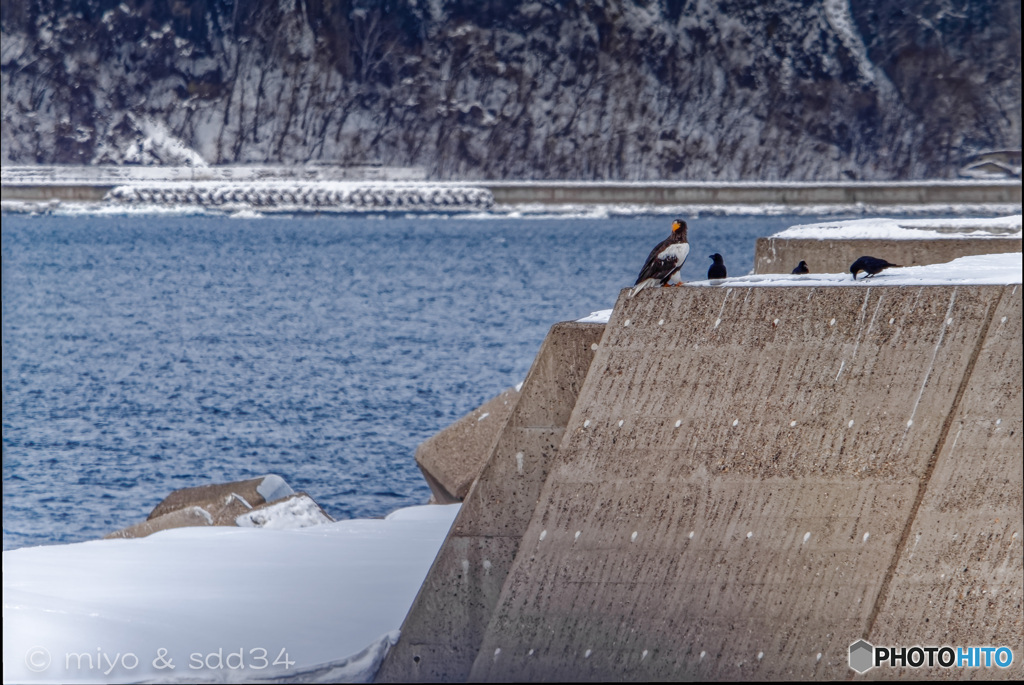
298	511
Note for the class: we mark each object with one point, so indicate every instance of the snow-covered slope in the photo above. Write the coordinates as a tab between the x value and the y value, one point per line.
699	89
316	604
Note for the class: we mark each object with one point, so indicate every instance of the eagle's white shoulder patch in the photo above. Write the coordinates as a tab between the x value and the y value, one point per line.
677	252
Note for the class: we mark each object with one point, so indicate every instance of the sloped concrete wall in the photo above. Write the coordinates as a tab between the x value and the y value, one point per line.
452	459
960	568
780	255
446	623
741	486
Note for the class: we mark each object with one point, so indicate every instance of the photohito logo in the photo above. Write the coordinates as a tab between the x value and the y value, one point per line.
864	656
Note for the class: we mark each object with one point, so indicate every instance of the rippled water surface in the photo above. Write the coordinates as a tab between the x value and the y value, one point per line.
143	355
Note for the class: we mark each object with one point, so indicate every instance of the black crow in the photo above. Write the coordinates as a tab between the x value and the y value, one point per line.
870	266
717	269
801	268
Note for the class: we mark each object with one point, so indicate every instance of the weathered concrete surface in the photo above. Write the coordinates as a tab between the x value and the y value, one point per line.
451	460
267	501
959	574
446	622
780	255
186	517
738	491
225	501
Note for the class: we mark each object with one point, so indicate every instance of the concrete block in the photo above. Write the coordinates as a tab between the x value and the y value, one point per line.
738	478
297	510
451	460
179	518
225	501
780	255
959	577
443	629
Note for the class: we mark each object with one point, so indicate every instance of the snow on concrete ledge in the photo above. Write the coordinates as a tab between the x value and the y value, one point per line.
908	229
597	317
994	269
294	512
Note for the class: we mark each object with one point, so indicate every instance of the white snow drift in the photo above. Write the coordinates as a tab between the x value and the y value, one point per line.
315	604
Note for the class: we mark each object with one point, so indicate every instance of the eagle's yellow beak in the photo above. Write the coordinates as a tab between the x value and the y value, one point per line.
676	225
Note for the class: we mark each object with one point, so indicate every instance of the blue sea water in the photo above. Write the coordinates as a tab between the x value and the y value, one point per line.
144	355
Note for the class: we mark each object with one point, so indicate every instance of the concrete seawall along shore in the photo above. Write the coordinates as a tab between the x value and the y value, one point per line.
751	480
939	192
383	189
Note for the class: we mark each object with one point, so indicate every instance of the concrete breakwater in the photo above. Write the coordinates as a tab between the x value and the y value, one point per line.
253	503
384	189
833	247
289	196
780	255
749	480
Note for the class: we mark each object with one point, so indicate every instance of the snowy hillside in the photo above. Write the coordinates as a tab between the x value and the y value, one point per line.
628	90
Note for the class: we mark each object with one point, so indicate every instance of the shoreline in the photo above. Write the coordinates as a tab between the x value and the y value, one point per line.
333	190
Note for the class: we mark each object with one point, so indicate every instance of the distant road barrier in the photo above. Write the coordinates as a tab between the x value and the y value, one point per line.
683	193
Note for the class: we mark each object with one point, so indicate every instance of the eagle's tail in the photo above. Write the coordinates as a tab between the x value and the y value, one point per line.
641	285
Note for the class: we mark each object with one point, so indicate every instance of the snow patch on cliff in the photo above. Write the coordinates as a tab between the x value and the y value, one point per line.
839	17
158	146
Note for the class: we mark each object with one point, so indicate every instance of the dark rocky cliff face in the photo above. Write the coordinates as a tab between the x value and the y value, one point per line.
694	89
